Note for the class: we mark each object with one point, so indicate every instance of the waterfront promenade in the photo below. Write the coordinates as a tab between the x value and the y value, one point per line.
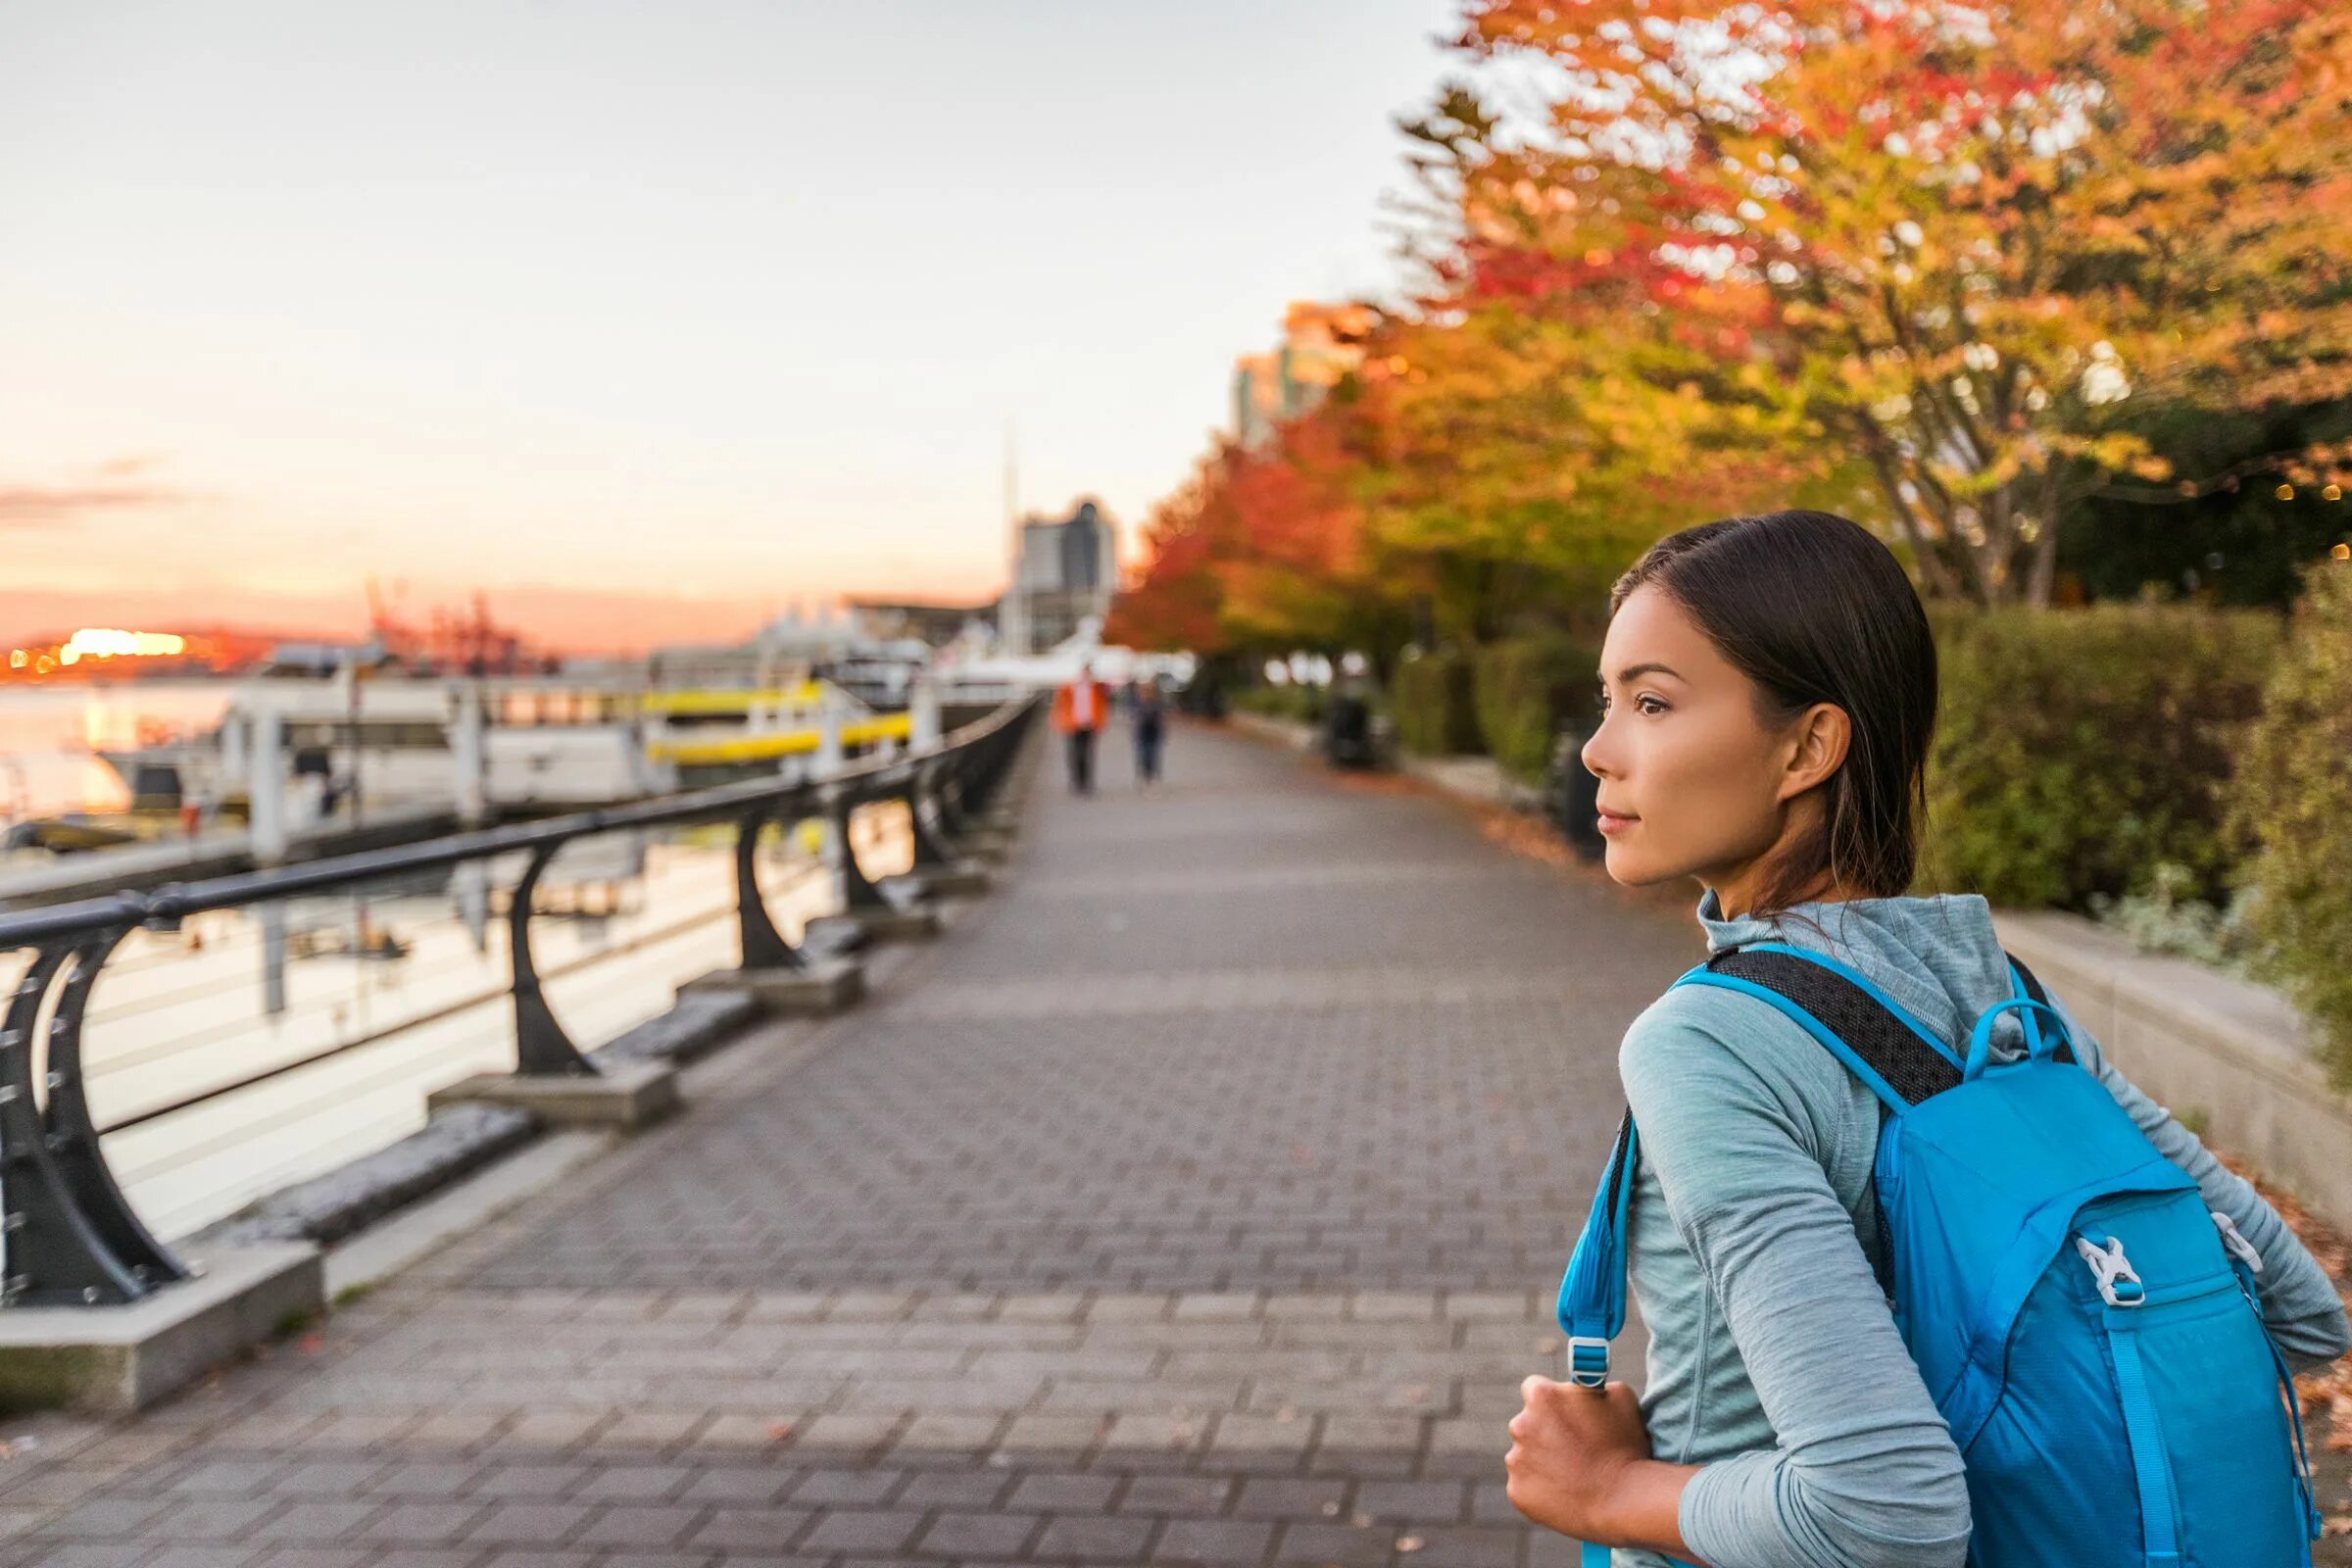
1197	1198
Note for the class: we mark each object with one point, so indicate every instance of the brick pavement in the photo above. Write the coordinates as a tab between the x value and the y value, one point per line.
1197	1198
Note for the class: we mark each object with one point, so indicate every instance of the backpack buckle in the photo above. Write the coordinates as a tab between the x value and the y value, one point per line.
2118	1282
1587	1361
2236	1244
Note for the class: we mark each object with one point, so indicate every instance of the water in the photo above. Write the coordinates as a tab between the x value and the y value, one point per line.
237	992
49	736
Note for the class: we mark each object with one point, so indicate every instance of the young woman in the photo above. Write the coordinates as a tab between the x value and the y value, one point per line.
1769	688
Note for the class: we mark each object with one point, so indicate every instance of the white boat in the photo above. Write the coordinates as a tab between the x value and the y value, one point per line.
390	742
547	743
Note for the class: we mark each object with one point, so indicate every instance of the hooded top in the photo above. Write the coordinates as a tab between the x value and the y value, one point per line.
1774	1360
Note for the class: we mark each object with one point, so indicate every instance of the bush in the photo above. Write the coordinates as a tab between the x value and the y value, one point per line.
2296	804
1431	697
2170	918
2078	751
1303	704
1522	688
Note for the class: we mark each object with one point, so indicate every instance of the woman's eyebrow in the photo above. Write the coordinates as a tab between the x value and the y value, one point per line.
1635	671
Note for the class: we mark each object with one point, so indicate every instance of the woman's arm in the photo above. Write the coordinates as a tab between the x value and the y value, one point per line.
2299	1303
1865	1474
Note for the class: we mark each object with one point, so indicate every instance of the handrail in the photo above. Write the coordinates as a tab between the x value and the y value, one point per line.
164	906
71	1234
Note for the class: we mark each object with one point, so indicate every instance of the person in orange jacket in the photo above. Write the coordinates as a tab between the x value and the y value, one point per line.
1081	707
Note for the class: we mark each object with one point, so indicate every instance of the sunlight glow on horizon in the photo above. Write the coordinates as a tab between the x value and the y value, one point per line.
642	314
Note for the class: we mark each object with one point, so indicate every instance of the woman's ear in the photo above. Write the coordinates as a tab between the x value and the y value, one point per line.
1821	735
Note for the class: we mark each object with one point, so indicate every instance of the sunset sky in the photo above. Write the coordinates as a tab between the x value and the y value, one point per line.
651	320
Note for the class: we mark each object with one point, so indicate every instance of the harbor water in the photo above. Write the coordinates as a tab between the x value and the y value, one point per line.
256	1048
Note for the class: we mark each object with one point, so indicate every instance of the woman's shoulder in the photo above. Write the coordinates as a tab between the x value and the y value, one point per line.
1714	1045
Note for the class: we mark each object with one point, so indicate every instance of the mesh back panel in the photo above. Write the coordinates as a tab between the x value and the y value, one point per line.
1912	1067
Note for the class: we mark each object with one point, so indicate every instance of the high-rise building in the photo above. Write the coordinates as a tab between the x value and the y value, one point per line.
1320	343
1065	572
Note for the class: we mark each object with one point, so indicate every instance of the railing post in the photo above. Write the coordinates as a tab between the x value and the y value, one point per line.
542	1049
929	851
71	1238
857	892
762	945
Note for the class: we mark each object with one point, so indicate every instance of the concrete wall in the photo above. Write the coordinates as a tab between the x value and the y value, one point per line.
2233	1056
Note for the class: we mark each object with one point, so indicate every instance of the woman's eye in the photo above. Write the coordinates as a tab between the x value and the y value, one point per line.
1649	704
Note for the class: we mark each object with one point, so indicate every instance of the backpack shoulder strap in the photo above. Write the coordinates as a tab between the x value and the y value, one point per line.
1591	1310
2032	989
1895	1056
1881	1045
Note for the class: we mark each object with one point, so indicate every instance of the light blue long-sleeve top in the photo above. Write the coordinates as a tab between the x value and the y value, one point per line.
1774	1360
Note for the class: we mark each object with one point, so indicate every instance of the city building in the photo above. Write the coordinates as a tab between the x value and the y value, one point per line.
1064	574
1320	343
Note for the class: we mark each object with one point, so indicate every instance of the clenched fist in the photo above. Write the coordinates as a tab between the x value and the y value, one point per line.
1572	1449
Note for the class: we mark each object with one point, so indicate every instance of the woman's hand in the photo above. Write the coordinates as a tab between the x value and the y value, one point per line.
1573	1450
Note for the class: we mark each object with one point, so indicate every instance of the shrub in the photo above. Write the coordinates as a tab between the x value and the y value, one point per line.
2296	804
1522	688
1303	704
2078	751
1431	696
2170	918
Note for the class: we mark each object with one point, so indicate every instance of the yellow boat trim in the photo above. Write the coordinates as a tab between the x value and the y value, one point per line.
782	742
729	702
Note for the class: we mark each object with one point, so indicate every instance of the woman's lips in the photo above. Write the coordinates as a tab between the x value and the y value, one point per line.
1611	822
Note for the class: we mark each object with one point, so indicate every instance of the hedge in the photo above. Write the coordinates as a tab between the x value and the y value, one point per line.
2296	804
1301	704
1431	696
2079	751
1522	688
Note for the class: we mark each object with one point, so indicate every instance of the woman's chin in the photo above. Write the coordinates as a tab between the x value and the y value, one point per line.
1630	867
1625	867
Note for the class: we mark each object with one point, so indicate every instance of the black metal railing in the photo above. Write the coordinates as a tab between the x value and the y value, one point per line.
71	1238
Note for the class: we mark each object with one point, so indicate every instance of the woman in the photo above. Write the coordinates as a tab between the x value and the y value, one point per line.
1768	692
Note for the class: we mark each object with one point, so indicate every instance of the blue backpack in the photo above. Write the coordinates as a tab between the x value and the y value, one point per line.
2088	1329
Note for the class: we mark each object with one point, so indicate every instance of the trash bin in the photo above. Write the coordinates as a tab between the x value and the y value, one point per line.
1347	730
1574	796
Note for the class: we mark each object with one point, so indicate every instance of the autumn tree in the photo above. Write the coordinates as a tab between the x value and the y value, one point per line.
1263	549
1961	242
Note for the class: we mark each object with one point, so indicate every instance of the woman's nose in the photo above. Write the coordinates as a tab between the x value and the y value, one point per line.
1596	752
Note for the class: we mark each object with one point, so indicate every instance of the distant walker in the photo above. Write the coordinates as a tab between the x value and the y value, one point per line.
1081	706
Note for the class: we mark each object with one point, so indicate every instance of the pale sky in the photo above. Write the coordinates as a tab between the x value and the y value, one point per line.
704	299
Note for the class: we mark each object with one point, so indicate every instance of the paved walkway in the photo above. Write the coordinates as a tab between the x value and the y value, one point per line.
1197	1198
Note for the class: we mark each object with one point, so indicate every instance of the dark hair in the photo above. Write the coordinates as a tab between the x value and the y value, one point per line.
1814	608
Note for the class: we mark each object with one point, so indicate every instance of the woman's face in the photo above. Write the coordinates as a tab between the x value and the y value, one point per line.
1692	780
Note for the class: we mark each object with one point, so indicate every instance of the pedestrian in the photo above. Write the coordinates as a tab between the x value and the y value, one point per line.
1081	706
1838	1314
1148	713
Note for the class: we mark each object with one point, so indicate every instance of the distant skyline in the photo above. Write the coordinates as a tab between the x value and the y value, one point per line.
645	320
